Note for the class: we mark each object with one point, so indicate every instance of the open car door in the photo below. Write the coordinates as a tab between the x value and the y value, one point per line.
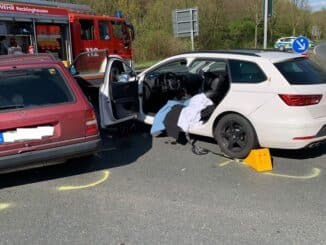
118	95
89	68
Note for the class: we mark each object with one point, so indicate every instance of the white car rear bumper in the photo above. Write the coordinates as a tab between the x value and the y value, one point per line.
291	135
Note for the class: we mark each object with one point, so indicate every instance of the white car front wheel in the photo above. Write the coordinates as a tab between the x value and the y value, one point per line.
235	136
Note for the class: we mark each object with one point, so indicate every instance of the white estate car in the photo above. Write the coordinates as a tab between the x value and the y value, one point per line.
261	98
284	43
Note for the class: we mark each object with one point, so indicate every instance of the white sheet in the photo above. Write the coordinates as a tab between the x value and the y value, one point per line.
190	115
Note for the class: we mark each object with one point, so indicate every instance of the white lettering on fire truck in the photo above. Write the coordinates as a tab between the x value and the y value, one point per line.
93	51
7	7
32	10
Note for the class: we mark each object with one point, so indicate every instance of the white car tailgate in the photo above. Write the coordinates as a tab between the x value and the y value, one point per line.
318	110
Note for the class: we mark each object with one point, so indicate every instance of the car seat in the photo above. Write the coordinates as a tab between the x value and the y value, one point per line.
216	86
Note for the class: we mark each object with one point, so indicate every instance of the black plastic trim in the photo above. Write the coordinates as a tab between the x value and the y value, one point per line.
322	132
239	52
48	155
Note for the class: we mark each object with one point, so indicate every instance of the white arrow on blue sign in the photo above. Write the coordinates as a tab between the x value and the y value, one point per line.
300	45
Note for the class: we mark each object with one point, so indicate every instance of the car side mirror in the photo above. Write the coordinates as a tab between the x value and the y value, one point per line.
126	43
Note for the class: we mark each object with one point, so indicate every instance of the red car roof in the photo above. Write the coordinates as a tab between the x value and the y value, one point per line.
12	60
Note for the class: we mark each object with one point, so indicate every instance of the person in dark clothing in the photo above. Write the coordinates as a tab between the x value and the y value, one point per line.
170	123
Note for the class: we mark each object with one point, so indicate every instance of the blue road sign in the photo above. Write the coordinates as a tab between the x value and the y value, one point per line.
300	45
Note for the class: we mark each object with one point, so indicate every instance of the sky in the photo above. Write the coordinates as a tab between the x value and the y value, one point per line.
317	4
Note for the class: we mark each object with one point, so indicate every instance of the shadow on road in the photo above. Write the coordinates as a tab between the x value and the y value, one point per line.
302	153
117	149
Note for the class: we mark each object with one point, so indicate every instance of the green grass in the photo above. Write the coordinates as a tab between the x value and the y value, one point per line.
144	64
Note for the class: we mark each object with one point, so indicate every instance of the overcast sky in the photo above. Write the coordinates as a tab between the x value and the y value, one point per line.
317	4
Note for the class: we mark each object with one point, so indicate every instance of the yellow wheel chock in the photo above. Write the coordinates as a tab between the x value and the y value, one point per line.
260	160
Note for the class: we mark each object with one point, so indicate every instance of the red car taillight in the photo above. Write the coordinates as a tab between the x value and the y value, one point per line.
301	100
91	123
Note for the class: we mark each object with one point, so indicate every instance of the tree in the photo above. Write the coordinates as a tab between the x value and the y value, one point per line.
222	23
297	8
255	13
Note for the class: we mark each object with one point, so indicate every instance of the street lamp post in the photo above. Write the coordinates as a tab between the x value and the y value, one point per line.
265	22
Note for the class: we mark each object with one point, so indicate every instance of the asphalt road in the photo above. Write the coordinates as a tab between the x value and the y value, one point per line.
144	190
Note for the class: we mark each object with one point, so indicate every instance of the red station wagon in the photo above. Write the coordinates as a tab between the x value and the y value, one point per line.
44	116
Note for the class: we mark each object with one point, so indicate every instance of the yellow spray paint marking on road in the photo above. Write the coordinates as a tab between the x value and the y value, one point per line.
106	175
225	163
314	173
4	206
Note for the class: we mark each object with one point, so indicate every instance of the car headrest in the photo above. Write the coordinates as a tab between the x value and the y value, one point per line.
217	83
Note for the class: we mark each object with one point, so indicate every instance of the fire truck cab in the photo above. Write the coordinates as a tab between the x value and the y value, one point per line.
65	30
91	33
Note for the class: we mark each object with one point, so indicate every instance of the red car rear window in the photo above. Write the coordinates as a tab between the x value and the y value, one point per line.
34	87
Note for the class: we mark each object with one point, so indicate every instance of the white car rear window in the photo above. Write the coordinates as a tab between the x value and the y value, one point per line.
302	71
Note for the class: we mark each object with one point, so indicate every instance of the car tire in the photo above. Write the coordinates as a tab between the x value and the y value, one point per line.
235	136
282	48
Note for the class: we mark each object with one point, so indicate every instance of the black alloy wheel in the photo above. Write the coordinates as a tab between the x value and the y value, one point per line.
235	136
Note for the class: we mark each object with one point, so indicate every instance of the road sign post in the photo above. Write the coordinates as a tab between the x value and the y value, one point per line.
185	24
267	12
265	22
192	32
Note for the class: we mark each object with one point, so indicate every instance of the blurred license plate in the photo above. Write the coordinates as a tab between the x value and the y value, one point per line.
21	134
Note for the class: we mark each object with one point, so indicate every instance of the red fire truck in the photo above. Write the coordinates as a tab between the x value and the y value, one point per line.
66	30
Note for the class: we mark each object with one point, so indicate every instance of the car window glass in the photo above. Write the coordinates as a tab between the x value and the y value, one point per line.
120	71
201	65
246	72
33	87
104	30
87	29
217	66
117	29
198	65
178	66
302	71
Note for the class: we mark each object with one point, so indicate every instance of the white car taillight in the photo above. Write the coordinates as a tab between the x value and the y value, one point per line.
301	100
